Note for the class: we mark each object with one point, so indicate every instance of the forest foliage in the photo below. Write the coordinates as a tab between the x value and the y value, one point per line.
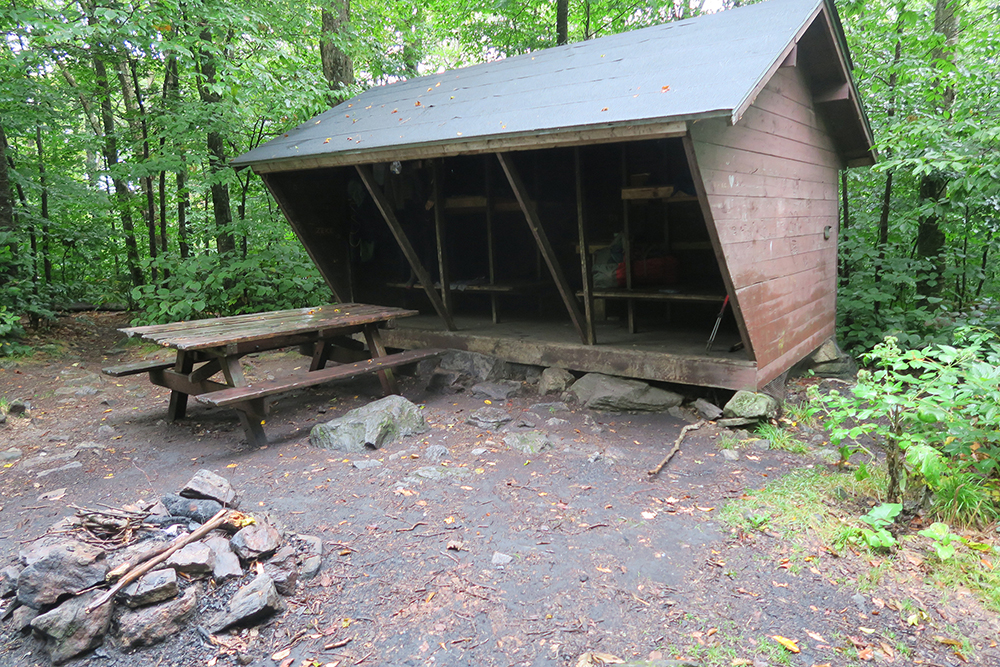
118	118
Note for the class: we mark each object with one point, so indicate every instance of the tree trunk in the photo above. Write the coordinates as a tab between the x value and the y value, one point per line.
934	186
338	69
7	223
138	110
43	184
183	202
562	21
845	268
224	241
883	222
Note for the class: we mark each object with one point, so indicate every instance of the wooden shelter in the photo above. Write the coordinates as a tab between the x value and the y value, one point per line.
592	206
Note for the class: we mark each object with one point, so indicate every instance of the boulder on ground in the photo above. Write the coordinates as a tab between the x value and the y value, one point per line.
65	569
206	484
495	391
227	563
596	391
258	540
197	509
69	629
555	381
194	558
751	405
8	580
152	587
480	367
254	602
370	426
488	418
311	553
831	362
151	625
707	409
528	442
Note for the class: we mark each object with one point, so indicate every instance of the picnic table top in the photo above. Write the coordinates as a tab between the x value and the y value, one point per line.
221	331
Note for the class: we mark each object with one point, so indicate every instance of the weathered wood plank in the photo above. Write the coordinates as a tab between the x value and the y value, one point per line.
768	208
652	294
740	138
389	215
440	238
730	184
722	158
542	240
655	192
138	367
231	396
739	231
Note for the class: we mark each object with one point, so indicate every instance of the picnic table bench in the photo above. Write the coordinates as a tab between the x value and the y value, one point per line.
206	347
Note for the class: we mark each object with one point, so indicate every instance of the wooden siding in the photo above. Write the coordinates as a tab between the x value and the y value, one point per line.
771	185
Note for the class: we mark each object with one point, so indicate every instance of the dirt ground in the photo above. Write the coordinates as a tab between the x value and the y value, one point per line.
604	558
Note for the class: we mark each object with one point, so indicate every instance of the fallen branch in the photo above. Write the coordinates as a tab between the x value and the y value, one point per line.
179	543
677	445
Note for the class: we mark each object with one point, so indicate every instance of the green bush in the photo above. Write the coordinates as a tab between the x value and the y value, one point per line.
936	413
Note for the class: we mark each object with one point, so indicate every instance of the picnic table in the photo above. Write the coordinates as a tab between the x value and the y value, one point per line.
207	347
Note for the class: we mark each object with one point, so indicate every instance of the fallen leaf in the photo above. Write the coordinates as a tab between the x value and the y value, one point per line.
790	644
590	659
455	545
449	520
887	651
664	89
867	653
815	635
430	596
649	515
281	655
947	641
211	661
603	569
867	631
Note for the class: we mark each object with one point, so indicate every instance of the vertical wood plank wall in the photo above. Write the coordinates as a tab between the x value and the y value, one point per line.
771	182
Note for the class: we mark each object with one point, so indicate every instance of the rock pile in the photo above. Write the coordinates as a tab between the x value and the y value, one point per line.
56	589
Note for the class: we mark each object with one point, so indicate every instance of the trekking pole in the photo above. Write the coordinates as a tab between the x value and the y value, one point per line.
718	321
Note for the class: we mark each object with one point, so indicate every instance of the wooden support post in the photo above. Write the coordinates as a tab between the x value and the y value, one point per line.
386	376
542	240
439	236
251	414
627	242
588	278
490	248
178	399
365	172
319	355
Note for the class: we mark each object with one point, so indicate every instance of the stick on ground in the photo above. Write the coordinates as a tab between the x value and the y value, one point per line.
677	446
142	569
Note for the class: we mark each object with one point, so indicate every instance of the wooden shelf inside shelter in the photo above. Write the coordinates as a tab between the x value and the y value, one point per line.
484	288
658	294
664	192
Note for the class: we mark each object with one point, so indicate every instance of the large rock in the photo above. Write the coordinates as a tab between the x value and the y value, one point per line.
707	409
65	569
495	391
151	625
832	362
528	442
69	630
254	602
614	394
152	587
206	484
488	418
258	540
555	381
370	426
751	405
311	555
480	367
198	509
194	558
8	580
227	563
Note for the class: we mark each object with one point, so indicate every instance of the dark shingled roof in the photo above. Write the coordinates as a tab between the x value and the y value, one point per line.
706	66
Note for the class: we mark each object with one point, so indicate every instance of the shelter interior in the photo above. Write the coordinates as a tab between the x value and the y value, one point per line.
593	253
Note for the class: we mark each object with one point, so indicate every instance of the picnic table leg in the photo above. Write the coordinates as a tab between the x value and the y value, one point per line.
386	377
178	399
251	413
320	352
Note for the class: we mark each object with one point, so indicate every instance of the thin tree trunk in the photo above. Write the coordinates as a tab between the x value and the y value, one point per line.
122	192
183	202
338	68
224	241
139	112
986	253
43	183
562	21
7	223
934	186
883	222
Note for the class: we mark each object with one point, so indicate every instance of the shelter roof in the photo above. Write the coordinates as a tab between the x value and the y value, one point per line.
651	80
